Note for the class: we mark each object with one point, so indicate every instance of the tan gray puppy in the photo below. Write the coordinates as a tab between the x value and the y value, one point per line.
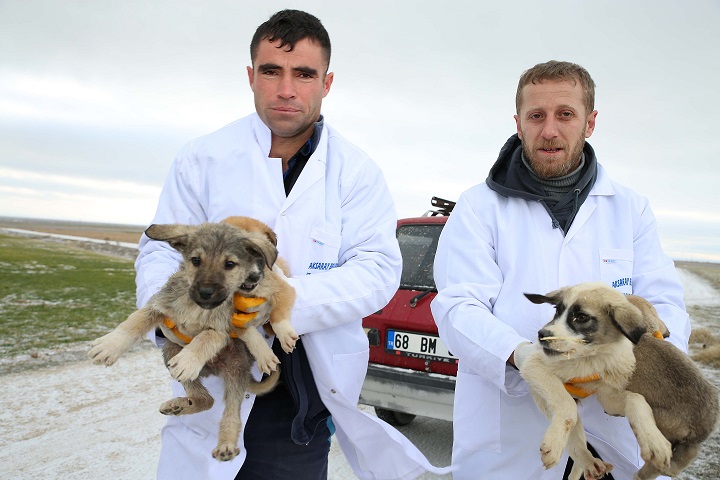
598	334
195	308
279	295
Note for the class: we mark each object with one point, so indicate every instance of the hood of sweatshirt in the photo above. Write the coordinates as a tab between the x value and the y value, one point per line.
510	177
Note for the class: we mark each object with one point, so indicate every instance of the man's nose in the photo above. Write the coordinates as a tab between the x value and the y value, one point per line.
287	87
550	128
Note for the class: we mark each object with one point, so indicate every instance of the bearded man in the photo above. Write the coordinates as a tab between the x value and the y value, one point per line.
547	216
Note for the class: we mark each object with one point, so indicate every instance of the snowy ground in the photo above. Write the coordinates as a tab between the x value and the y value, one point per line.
74	420
82	421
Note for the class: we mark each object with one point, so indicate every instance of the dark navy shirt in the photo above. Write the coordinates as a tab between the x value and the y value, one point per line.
297	377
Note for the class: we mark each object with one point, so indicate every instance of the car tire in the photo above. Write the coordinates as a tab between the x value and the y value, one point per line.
393	417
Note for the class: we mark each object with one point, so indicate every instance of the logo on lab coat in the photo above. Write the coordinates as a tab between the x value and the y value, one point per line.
622	282
320	266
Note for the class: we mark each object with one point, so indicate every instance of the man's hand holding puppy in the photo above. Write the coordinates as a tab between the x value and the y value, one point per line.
520	354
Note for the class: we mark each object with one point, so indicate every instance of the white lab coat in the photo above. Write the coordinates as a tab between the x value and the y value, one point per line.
339	213
492	250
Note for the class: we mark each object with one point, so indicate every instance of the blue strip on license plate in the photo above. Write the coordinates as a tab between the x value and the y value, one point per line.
418	345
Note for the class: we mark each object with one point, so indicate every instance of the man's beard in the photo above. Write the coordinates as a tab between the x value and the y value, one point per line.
545	169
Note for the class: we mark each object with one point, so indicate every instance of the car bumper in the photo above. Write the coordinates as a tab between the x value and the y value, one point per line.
409	391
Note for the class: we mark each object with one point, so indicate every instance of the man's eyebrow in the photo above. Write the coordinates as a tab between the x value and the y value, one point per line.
268	66
301	69
306	70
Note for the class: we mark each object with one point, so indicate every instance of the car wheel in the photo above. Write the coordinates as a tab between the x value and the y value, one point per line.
394	418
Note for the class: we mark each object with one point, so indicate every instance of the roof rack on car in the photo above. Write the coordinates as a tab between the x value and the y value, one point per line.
442	207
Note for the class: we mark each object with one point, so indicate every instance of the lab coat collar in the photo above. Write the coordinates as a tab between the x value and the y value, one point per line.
263	136
314	169
603	187
313	172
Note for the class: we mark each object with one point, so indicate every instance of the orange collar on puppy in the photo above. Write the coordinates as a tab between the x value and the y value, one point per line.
657	334
580	392
239	319
176	331
241	303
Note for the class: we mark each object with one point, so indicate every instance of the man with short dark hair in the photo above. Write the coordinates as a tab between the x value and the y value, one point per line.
546	217
328	203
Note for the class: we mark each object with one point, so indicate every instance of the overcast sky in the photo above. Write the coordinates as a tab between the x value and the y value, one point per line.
97	97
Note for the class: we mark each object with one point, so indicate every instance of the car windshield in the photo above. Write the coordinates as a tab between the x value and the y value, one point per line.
418	244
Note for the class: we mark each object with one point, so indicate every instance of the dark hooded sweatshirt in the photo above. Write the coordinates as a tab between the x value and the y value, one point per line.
511	177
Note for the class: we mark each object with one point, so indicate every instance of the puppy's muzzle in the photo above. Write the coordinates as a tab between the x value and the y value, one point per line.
251	282
546	345
208	296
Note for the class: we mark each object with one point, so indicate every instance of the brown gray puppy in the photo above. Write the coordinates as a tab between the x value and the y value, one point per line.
195	308
598	331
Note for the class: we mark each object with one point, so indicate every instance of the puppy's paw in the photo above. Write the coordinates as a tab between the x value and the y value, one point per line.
656	449
176	406
186	405
267	361
184	366
286	334
595	469
225	452
107	349
287	342
550	454
551	449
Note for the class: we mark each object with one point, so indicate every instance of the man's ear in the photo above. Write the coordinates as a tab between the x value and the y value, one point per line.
517	124
590	127
174	234
251	79
327	83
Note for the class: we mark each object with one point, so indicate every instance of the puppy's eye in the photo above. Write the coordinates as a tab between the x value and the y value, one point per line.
581	318
229	265
196	261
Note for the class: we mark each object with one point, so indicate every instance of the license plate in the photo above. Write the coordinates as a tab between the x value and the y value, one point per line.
418	345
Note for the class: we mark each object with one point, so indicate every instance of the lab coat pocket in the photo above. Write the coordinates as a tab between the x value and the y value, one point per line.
350	371
477	413
323	248
616	267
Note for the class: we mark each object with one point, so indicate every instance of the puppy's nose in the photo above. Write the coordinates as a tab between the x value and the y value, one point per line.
206	292
544	332
253	278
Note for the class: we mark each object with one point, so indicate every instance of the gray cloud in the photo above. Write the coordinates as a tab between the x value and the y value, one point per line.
98	92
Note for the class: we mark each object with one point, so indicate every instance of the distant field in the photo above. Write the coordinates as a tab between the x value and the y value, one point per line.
100	231
51	296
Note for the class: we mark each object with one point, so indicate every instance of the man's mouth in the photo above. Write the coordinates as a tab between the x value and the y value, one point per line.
285	110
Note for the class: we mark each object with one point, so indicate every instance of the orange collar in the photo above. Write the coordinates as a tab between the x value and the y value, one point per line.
239	319
580	392
577	391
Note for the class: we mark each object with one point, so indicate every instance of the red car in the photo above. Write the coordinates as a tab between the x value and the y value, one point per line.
411	372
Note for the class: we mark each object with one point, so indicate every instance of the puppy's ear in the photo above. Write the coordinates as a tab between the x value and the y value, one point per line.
261	245
252	225
537	299
270	234
650	315
175	234
628	319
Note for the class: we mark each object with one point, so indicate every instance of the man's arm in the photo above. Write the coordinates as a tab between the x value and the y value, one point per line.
369	261
468	280
157	261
